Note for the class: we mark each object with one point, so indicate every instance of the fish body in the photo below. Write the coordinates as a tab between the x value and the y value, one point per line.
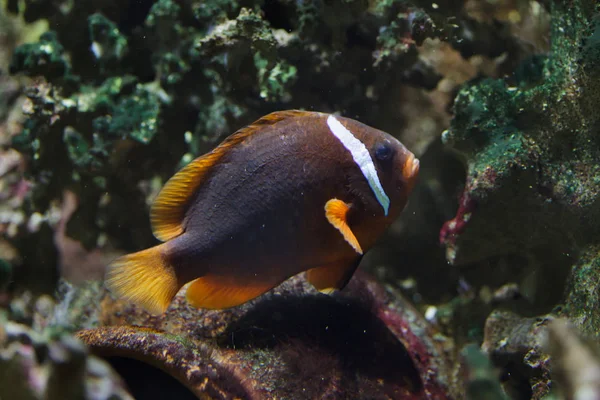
295	191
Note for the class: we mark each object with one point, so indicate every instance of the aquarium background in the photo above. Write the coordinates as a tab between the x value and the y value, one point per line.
486	287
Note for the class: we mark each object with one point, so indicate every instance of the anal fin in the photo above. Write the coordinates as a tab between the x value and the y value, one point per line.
219	292
332	277
336	212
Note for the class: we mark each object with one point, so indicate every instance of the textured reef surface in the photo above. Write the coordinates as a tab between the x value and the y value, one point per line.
486	287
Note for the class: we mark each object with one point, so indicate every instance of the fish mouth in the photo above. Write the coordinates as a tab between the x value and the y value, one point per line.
411	168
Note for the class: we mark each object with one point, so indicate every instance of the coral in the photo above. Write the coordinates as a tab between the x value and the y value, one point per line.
517	345
36	366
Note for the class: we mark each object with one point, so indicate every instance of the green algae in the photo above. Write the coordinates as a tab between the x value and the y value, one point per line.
133	111
535	119
483	111
215	11
45	57
133	116
531	147
390	44
212	124
382	7
308	18
274	80
77	148
163	11
583	297
93	99
108	43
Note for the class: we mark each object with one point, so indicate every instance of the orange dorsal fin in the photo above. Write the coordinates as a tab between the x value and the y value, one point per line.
170	206
331	277
145	278
218	292
336	212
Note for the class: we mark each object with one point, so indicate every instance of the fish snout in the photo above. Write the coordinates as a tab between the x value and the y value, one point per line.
410	169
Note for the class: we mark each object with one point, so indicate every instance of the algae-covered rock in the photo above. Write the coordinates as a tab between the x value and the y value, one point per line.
530	146
531	197
45	58
582	293
518	346
109	45
35	366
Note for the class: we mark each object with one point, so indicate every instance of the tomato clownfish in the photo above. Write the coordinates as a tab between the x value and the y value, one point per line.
294	191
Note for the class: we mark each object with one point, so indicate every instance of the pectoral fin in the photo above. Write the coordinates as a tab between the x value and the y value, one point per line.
332	277
336	212
218	292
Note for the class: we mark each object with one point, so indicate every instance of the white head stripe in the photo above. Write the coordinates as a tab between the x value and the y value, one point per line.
361	157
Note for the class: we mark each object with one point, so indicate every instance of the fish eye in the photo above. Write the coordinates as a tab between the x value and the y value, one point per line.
383	151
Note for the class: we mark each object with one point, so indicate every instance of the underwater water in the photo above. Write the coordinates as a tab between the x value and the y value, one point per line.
423	226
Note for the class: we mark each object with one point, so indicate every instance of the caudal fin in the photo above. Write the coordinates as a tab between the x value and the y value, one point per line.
145	278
